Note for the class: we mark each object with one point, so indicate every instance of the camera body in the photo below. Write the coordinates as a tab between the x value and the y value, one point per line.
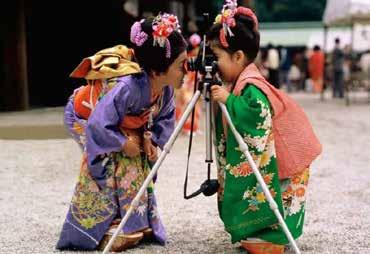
205	62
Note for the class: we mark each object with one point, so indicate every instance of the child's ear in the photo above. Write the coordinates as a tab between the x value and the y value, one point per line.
240	57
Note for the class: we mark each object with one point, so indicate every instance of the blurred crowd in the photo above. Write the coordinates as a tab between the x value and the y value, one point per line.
310	70
292	69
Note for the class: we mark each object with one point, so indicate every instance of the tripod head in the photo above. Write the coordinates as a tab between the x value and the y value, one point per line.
206	65
205	62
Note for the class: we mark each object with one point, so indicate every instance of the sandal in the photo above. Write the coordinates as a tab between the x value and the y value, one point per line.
148	234
262	247
122	241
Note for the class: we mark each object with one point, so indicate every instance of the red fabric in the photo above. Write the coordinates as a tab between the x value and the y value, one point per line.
316	65
296	144
316	69
83	94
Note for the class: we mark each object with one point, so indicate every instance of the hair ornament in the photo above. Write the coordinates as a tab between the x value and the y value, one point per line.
195	40
227	20
163	25
137	36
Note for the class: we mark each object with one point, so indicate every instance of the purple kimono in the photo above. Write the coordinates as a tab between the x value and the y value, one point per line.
109	180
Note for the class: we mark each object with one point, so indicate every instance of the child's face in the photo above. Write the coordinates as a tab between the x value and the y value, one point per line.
175	73
228	67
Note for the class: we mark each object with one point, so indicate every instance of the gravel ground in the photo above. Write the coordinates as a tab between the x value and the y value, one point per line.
37	179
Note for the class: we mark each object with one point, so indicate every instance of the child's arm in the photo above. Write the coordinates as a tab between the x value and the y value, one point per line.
250	110
102	132
243	108
251	114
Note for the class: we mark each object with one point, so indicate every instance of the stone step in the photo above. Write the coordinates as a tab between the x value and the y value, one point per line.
41	123
33	132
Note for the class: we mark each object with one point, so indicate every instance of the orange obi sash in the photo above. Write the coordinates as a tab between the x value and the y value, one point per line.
86	98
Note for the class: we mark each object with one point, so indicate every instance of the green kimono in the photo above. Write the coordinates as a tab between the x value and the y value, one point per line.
242	204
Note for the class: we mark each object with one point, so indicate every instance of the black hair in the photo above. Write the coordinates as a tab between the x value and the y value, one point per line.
316	48
153	58
190	47
245	38
337	40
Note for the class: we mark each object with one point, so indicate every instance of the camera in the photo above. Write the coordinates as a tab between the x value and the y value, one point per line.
205	62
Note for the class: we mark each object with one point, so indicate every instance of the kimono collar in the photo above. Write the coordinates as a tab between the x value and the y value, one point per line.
148	90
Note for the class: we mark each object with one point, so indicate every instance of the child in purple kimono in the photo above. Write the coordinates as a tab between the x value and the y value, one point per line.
117	141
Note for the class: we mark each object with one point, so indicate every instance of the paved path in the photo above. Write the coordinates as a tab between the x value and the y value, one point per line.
37	179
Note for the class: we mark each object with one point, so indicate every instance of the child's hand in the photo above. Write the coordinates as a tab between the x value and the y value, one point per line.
149	148
219	94
131	148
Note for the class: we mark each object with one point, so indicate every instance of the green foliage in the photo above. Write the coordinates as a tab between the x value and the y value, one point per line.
272	10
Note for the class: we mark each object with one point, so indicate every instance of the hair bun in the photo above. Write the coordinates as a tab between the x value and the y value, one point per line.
246	12
246	21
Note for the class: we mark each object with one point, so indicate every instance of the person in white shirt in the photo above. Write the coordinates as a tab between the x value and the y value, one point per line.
273	63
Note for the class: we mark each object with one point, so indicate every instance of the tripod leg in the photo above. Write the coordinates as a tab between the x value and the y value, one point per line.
166	150
244	148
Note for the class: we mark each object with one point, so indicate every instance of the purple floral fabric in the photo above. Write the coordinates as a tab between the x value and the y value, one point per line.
108	179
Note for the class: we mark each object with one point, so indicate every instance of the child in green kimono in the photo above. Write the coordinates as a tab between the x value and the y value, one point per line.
276	130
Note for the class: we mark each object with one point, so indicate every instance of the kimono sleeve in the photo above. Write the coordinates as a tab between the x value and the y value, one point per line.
102	132
250	112
164	123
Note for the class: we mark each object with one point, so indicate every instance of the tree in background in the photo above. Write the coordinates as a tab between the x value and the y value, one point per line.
289	10
271	10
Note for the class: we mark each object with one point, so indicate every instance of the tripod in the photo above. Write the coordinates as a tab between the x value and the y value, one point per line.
205	87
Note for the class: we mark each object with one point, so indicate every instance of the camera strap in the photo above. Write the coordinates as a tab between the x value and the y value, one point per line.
196	193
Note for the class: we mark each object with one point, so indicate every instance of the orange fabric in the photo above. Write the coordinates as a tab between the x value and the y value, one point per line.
316	69
183	97
316	65
135	122
296	144
317	85
262	247
83	95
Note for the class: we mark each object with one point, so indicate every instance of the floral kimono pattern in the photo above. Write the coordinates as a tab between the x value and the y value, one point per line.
108	179
242	204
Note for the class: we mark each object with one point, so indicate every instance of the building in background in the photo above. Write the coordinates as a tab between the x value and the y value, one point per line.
36	59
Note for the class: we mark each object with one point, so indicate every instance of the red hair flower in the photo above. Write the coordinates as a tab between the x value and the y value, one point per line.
163	25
